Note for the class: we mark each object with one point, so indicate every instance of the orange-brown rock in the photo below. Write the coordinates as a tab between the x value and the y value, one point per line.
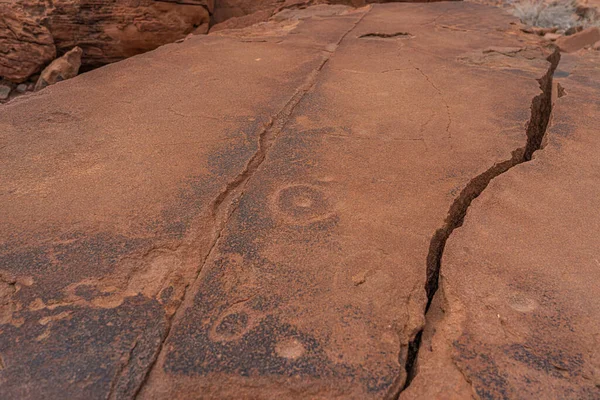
243	21
242	13
25	45
227	9
517	315
255	214
63	68
579	40
109	31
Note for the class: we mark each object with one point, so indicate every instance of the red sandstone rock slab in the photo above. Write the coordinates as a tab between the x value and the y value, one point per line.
579	40
517	314
109	183
316	285
25	45
250	214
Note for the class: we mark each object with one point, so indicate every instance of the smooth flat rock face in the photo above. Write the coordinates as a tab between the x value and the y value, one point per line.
249	214
518	307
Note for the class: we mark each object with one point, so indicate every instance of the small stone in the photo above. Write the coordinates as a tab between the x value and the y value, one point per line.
552	36
22	88
359	278
4	92
596	45
544	31
63	68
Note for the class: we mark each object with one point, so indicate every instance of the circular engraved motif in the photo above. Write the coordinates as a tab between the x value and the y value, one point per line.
232	324
302	204
290	348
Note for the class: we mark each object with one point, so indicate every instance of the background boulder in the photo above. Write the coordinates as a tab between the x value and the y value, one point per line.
32	32
25	45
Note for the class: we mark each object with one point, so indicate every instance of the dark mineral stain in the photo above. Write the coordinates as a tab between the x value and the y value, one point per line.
79	356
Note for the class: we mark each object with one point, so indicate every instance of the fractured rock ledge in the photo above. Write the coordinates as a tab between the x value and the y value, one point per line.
517	312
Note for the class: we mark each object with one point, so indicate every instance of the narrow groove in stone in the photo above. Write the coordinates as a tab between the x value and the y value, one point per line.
541	109
386	35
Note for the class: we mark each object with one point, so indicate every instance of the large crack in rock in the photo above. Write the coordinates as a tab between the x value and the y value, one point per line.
507	321
300	282
541	110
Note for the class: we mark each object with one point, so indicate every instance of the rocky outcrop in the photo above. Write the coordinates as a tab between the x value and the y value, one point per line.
111	31
236	14
107	31
272	22
227	9
63	68
33	32
254	215
243	21
25	45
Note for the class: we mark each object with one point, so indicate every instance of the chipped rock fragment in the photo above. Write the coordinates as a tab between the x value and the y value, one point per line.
578	41
4	92
63	68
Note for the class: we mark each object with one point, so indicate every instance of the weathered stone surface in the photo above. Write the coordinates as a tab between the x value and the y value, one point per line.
104	180
109	31
227	9
63	68
237	14
25	45
579	40
279	23
4	91
316	285
517	313
243	21
251	214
